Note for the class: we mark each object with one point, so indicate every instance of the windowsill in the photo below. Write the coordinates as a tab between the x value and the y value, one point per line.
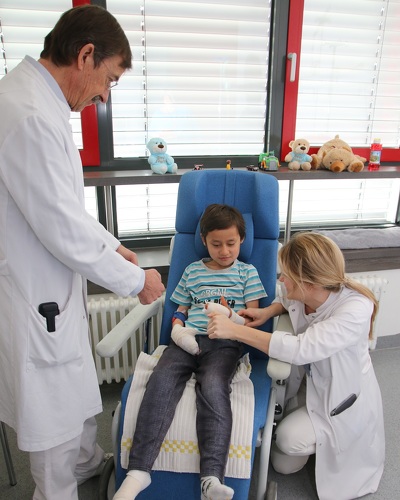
123	177
153	257
372	259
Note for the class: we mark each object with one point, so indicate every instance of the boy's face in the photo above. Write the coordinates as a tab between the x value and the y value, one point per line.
223	245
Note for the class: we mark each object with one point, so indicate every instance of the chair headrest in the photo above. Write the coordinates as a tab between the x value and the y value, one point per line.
250	192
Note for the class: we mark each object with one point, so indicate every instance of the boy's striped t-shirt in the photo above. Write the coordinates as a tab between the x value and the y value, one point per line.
238	283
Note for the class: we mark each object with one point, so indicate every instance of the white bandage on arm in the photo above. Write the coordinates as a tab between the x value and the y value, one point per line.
184	338
227	311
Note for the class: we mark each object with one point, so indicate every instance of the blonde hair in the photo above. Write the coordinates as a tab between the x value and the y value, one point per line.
315	259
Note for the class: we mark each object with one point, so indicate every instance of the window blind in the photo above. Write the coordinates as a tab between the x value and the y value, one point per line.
340	202
199	76
349	81
146	209
91	202
24	24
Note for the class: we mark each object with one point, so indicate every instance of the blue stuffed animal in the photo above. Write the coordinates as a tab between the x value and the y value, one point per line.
159	161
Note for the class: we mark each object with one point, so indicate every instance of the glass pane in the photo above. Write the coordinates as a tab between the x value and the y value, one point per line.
199	77
349	82
340	202
23	26
146	209
91	202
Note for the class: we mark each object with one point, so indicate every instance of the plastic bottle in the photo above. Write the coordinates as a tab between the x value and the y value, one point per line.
375	155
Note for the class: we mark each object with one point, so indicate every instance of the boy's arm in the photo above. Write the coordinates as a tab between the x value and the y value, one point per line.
223	308
182	336
178	319
253	303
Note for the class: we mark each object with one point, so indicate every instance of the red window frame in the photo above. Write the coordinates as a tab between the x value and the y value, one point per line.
295	27
90	153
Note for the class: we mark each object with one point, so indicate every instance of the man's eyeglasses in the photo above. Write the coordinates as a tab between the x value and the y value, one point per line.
113	81
112	84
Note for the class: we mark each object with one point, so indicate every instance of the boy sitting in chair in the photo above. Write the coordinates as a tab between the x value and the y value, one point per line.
214	362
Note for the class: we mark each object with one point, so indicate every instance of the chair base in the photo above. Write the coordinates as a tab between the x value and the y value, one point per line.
7	455
272	491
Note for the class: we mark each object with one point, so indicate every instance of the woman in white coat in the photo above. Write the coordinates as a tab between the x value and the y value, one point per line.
342	419
49	246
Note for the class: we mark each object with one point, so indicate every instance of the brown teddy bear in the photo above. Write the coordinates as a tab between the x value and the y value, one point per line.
298	157
337	155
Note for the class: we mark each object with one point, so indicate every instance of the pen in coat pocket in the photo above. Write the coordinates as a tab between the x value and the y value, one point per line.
346	403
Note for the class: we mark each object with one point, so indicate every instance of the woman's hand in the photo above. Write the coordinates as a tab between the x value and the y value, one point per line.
254	316
221	327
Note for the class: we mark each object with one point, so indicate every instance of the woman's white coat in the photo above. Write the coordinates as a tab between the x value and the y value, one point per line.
49	246
332	343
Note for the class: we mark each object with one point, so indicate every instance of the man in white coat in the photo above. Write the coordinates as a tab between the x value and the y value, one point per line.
49	246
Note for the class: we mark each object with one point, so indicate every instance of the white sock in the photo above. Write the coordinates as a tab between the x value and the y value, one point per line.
184	338
212	489
135	482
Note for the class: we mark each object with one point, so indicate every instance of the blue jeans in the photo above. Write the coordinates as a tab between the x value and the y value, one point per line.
214	368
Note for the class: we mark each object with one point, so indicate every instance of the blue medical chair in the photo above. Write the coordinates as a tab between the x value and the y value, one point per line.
256	196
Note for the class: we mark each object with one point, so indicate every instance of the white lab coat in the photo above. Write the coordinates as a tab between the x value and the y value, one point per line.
49	245
350	447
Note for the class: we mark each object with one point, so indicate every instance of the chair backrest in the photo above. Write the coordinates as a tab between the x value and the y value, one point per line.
255	194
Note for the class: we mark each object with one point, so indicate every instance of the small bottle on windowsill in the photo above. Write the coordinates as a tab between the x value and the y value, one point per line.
375	155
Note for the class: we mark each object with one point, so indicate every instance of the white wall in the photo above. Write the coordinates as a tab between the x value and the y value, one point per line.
388	319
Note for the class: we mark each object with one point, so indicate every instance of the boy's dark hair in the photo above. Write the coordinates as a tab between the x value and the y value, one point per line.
217	216
86	24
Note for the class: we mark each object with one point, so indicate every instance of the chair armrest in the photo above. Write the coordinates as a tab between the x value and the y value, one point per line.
123	331
280	370
284	324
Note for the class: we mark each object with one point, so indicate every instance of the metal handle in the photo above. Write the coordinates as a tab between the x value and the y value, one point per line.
292	56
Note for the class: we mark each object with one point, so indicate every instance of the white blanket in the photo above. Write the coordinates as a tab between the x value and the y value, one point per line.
179	451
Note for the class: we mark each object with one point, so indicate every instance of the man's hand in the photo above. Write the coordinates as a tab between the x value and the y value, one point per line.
128	254
153	287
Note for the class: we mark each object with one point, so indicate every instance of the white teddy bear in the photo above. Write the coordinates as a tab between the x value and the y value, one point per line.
298	157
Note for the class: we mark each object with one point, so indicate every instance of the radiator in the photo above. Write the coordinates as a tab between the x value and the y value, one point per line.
378	286
105	311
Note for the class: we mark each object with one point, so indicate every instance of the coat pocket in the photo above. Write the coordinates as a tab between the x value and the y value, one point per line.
349	425
62	346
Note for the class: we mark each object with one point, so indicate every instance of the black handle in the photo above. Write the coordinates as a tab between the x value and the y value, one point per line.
49	310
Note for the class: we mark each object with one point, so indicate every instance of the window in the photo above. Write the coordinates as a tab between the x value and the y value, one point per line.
146	209
340	202
348	80
199	76
23	26
208	77
91	202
